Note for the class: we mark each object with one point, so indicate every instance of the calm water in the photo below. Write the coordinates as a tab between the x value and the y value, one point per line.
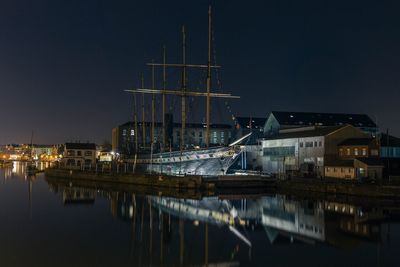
50	223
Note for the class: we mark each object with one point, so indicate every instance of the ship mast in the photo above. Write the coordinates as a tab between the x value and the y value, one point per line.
164	130
143	116
135	122
153	106
183	98
208	99
182	92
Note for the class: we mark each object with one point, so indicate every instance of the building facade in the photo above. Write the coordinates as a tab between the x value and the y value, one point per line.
124	136
358	148
304	150
77	155
390	146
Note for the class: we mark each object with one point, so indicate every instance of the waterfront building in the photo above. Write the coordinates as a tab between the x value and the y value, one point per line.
357	168
390	154
390	146
278	120
304	150
123	136
77	155
358	148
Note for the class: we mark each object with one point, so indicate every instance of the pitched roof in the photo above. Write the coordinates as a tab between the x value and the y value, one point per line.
322	119
371	161
83	146
339	163
356	142
250	122
307	132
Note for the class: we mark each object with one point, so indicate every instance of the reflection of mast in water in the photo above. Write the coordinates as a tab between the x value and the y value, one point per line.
206	244
30	197
182	240
133	223
150	231
141	235
161	222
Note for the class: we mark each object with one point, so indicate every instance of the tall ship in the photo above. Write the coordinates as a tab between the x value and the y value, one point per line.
160	156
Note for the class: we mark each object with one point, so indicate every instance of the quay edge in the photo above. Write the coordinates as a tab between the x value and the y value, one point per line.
187	182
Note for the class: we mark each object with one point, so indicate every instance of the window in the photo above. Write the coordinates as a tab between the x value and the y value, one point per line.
279	151
309	144
341	151
132	132
320	143
364	151
301	144
214	137
79	153
71	153
356	151
124	132
348	152
88	153
315	143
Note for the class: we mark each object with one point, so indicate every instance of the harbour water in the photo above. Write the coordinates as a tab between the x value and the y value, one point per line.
47	223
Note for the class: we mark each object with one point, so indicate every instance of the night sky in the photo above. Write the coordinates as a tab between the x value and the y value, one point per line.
64	64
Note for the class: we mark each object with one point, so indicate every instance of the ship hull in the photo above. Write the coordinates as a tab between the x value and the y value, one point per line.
207	162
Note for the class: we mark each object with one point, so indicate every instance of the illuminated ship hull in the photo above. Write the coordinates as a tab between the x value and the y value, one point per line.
206	162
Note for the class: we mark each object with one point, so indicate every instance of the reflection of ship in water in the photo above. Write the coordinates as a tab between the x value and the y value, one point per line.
173	231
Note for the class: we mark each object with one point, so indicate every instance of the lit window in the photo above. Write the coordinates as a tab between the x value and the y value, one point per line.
348	152
364	151
132	132
356	151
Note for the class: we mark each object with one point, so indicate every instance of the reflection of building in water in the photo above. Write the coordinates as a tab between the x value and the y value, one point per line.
348	222
298	219
78	196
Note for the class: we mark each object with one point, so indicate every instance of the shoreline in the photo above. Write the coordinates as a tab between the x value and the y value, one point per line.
229	185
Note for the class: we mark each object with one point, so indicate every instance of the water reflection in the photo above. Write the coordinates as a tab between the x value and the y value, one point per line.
19	169
234	231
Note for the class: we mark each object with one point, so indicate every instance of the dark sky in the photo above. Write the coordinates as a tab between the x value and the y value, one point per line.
64	64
